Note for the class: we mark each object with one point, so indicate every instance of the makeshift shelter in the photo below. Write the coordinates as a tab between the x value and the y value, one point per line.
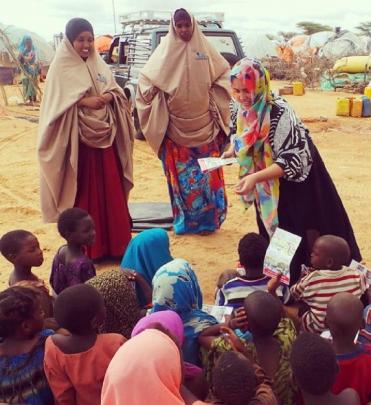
102	43
258	46
15	34
299	44
319	39
345	44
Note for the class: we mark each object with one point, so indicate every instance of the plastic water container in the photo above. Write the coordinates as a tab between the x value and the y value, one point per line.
367	91
356	108
366	107
298	88
343	107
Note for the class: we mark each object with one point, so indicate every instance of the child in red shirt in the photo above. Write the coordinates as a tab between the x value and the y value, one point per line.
344	319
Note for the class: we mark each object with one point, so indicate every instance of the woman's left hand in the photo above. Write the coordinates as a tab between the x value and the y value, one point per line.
246	185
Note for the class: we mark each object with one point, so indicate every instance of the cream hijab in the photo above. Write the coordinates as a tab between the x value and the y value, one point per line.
62	125
183	91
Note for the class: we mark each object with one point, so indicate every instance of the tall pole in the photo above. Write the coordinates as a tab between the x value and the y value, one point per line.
114	15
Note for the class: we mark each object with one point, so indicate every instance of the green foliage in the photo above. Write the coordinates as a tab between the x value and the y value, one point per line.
310	28
287	35
364	28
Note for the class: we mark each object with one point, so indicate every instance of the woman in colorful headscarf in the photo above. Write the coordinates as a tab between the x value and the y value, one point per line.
281	171
145	254
175	287
30	68
86	142
183	107
147	369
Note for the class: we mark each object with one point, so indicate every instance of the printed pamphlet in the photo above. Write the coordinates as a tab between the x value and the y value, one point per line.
218	312
280	252
213	163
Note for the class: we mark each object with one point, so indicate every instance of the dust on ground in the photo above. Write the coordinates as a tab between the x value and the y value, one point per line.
343	142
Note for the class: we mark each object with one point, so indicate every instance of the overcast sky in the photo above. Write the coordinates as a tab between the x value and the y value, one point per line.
47	17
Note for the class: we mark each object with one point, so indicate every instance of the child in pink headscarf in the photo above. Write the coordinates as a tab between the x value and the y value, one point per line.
173	324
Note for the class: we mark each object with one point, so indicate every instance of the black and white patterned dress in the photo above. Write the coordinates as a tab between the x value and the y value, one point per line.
309	203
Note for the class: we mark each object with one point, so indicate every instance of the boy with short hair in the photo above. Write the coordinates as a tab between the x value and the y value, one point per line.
22	249
251	250
330	258
344	319
314	369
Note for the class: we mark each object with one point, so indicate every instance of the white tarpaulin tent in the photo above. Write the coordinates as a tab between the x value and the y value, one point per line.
258	45
45	51
347	44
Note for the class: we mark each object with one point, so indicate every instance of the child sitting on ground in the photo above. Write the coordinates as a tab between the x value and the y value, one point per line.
233	288
330	258
75	365
365	332
22	249
71	265
314	369
272	337
344	319
22	378
237	381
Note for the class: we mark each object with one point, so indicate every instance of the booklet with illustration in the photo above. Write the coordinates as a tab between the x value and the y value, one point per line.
362	269
218	312
213	163
280	252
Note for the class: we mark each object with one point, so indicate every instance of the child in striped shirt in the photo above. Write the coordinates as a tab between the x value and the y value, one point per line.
330	258
234	287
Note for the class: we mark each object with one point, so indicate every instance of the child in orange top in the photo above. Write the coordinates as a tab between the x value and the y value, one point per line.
75	365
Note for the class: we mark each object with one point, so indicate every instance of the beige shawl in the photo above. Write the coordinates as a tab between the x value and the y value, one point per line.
62	125
183	91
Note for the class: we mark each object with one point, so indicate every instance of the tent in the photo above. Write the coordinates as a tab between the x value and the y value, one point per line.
299	44
102	43
345	44
258	45
319	39
44	51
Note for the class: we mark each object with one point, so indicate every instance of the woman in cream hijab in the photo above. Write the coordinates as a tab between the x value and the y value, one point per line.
86	141
183	107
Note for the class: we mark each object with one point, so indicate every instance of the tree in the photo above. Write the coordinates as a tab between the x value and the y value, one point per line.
364	28
287	35
310	28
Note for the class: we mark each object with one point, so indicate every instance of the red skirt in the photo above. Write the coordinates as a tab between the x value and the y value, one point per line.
101	193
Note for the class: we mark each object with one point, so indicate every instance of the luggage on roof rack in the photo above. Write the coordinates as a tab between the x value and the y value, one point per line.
152	17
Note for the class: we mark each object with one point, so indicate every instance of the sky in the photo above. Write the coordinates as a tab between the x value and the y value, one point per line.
48	17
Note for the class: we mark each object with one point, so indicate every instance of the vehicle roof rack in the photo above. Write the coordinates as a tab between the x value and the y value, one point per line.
152	17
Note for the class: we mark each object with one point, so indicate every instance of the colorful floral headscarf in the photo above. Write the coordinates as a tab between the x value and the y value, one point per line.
251	143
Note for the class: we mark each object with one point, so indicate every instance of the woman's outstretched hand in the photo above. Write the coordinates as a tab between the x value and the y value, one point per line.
245	185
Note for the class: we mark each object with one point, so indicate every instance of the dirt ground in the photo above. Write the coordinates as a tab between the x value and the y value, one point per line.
344	144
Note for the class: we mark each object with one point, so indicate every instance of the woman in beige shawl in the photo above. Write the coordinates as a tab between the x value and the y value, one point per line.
183	107
86	142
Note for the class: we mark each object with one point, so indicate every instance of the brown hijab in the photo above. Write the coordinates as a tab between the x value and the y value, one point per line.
63	125
183	91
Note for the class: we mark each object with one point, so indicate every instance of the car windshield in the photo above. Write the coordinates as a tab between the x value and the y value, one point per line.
222	42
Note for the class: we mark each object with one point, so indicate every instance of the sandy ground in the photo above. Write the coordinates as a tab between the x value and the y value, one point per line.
344	144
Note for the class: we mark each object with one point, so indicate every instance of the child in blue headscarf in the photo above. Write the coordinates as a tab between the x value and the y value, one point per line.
30	65
175	287
145	254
